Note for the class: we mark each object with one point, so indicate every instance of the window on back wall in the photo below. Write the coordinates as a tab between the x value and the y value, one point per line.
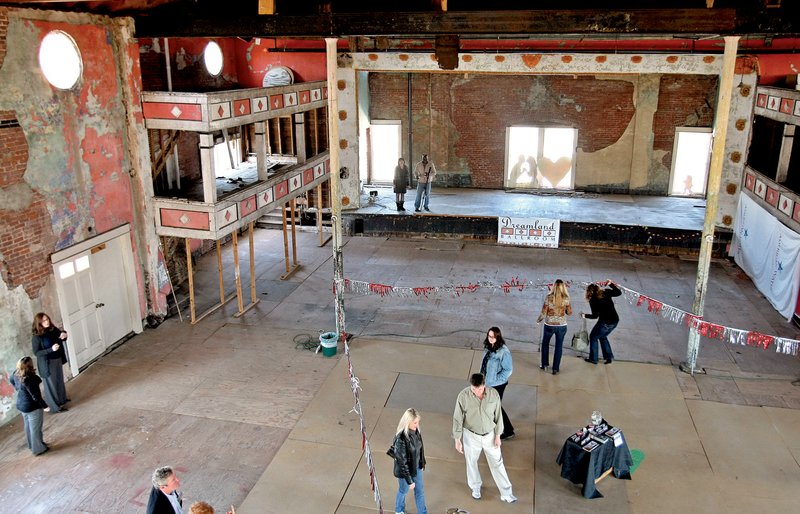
540	157
690	161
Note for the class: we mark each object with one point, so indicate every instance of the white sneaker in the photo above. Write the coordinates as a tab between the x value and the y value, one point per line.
476	493
510	498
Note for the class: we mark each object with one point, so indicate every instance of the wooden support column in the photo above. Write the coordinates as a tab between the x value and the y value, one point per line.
222	299
322	239
300	136
336	196
712	196
219	273
191	277
253	299
207	168
236	272
261	149
295	265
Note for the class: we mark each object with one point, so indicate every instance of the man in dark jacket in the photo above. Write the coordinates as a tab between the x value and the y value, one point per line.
164	496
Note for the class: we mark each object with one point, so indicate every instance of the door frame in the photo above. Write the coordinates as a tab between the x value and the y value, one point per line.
123	233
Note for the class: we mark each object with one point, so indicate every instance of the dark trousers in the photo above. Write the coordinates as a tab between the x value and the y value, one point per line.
508	428
600	334
560	331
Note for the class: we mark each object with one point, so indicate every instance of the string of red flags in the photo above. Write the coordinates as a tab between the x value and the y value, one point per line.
359	411
512	284
516	284
708	329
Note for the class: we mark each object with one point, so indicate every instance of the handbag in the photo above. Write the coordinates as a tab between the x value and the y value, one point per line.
390	451
580	340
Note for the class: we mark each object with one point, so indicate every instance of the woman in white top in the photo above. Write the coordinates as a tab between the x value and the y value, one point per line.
555	310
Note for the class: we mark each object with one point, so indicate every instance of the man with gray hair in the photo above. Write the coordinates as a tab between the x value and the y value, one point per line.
477	425
164	496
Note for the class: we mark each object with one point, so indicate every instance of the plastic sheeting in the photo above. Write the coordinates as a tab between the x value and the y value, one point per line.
769	252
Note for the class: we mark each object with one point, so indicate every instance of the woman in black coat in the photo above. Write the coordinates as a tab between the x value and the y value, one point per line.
409	461
49	345
30	403
602	305
401	177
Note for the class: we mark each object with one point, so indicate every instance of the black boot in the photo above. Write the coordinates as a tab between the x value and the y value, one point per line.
400	207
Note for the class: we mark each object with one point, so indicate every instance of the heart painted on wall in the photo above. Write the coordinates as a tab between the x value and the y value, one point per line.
555	172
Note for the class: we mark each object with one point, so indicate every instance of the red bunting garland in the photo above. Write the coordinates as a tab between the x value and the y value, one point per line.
704	328
654	305
380	289
469	288
513	283
757	339
422	291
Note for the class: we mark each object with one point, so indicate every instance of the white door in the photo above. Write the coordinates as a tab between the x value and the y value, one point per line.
112	300
85	338
97	292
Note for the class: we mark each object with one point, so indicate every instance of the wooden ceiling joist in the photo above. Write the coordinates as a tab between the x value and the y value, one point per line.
488	23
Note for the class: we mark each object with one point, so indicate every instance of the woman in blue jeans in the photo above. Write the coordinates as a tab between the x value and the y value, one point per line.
602	305
555	310
30	403
409	462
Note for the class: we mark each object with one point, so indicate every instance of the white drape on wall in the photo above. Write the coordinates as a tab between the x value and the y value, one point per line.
769	252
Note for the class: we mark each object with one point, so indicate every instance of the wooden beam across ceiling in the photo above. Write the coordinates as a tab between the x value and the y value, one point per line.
640	22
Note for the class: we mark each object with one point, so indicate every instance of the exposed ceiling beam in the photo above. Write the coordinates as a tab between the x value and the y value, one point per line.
641	22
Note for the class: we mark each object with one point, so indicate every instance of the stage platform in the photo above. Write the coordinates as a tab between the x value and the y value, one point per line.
646	224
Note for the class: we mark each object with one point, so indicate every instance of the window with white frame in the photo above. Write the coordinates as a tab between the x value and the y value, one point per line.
540	157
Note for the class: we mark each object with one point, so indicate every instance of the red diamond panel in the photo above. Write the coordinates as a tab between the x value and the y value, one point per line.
772	197
163	111
281	189
241	107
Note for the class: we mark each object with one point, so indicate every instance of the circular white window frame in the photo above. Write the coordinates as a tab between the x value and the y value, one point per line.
60	60
212	58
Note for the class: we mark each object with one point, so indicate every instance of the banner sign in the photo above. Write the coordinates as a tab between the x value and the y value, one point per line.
541	232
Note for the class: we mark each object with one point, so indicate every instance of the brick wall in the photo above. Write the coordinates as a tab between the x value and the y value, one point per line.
461	121
3	32
25	230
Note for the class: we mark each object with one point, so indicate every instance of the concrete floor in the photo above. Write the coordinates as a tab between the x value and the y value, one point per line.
653	211
251	418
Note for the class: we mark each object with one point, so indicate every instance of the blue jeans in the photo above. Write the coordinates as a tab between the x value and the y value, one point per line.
419	494
560	331
422	188
33	430
600	333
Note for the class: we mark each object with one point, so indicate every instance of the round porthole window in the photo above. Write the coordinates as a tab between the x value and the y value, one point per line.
212	56
60	60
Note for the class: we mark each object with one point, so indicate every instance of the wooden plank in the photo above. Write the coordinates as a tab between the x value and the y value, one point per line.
640	22
607	472
266	6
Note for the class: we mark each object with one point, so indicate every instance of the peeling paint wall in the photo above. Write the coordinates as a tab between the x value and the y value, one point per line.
624	122
187	67
65	164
